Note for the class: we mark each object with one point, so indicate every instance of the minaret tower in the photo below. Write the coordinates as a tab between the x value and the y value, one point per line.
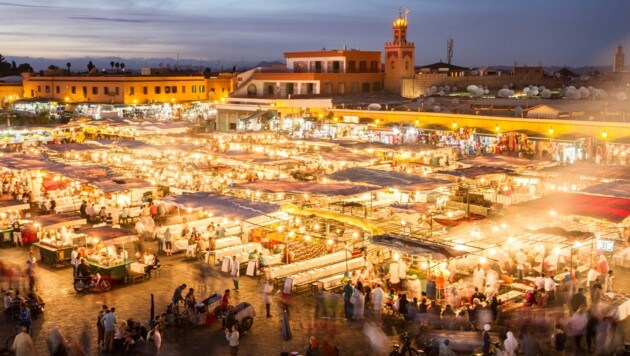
399	56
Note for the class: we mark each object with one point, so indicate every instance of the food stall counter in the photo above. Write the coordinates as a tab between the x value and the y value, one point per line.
117	272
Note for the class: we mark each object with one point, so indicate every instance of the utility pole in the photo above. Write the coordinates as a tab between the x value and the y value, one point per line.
449	50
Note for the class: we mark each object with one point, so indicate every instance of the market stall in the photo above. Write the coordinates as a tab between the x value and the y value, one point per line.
10	211
102	253
56	236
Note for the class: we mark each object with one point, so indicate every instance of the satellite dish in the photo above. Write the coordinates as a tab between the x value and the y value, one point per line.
374	106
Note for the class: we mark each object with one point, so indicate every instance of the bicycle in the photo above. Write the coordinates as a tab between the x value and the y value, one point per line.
17	329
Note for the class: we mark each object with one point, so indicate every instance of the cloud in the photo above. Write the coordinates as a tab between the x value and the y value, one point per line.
27	5
109	19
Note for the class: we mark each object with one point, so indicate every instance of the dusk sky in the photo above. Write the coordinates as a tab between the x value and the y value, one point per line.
558	32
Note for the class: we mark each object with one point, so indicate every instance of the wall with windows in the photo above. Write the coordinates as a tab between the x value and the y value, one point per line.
120	89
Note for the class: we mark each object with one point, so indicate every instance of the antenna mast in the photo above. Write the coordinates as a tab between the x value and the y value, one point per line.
449	50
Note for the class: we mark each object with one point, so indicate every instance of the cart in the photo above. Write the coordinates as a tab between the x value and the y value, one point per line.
57	252
111	266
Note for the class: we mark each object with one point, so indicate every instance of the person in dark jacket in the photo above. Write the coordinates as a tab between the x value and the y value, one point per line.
577	300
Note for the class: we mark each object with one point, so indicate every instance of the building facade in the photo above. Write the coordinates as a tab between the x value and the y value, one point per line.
126	89
325	72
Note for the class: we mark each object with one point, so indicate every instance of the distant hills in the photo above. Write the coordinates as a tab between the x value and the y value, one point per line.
79	64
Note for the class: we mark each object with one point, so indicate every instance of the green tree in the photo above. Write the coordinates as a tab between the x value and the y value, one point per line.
24	67
5	67
90	66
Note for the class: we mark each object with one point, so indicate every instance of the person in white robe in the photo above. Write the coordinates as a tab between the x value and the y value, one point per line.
479	275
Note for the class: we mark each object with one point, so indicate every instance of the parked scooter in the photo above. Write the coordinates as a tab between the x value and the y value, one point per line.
83	284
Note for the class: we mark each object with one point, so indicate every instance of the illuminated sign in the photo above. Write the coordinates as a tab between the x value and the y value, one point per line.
605	245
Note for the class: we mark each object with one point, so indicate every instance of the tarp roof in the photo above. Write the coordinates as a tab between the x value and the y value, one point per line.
54	221
221	205
120	184
109	235
474	172
11	205
387	179
619	189
345	156
300	187
595	206
87	173
415	247
503	162
591	170
73	147
25	162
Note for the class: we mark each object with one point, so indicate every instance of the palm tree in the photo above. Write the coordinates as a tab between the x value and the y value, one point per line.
122	66
68	65
112	63
117	65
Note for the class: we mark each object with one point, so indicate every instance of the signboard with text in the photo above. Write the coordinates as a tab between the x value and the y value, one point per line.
605	245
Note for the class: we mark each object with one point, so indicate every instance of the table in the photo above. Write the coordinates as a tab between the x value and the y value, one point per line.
510	296
236	250
318	273
137	267
227	242
519	286
606	308
293	268
54	255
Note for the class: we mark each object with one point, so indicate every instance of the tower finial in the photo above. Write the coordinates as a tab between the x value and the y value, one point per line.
400	12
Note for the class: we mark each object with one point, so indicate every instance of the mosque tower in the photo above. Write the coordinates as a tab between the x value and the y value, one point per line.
399	56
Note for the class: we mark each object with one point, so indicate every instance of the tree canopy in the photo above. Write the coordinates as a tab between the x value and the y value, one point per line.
7	69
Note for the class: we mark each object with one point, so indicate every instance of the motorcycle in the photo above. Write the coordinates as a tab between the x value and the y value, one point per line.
87	283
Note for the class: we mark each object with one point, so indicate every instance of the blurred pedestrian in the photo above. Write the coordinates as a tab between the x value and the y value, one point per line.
232	338
25	317
485	338
267	290
109	326
377	300
577	300
235	272
511	344
100	331
529	344
608	282
559	340
576	327
23	344
445	349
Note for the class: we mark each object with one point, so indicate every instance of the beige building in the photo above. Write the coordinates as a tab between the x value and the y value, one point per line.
127	89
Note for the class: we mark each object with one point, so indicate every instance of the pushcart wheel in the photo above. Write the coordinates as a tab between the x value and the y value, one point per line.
105	286
247	324
217	312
